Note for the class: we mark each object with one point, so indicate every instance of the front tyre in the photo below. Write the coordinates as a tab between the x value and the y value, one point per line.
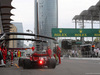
20	62
26	64
51	63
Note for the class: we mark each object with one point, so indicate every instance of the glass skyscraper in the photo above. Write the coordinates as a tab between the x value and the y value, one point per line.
46	17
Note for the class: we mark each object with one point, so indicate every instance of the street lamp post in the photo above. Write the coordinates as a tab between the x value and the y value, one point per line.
37	43
29	31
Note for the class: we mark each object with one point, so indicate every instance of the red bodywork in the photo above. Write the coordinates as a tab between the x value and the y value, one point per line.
36	57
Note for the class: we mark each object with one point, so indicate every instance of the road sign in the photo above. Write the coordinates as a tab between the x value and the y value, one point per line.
64	32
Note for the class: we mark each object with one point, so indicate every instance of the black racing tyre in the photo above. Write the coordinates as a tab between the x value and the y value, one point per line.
20	62
1	57
51	63
27	64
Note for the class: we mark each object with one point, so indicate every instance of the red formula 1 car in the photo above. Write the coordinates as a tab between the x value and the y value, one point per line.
37	59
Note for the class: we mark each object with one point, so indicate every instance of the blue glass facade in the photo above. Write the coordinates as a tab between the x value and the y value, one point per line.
47	16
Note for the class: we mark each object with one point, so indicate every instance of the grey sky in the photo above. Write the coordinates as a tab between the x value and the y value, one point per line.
67	9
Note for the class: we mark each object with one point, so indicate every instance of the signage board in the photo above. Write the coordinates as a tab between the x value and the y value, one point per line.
64	32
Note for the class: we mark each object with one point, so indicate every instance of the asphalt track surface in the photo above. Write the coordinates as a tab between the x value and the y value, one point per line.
68	67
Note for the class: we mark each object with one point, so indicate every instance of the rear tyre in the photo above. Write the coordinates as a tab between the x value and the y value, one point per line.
26	64
51	63
20	62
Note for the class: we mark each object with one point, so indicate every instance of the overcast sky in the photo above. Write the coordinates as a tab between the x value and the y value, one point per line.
67	9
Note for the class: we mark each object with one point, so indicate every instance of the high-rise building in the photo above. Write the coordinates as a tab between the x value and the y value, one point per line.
19	27
46	17
13	43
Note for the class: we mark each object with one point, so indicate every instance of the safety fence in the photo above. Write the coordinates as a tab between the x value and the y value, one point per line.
80	54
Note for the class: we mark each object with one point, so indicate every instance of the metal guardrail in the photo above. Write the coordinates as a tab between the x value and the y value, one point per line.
1	38
5	37
23	39
28	34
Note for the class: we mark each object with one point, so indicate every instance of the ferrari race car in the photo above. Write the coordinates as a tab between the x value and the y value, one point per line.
37	59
